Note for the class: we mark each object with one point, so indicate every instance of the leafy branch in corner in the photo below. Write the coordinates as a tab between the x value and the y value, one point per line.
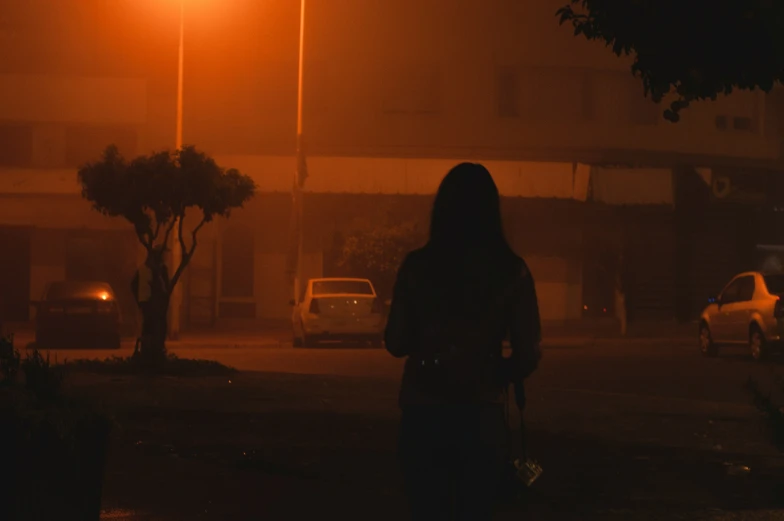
695	50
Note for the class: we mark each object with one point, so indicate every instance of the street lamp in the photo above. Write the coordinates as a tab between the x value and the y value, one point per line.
180	71
174	252
300	172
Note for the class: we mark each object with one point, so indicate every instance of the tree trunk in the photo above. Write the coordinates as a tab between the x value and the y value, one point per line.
152	350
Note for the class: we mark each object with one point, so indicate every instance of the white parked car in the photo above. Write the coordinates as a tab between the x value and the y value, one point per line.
338	309
749	311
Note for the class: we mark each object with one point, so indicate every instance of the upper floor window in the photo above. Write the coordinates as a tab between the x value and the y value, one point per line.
619	97
541	93
412	89
736	123
508	90
85	143
16	145
54	145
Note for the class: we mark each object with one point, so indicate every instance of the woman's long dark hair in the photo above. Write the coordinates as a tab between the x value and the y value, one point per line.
467	213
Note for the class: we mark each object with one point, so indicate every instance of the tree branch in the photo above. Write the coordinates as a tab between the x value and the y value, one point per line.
193	236
166	236
187	254
144	237
180	226
157	231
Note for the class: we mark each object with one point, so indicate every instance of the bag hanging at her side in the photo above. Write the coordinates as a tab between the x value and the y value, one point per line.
520	473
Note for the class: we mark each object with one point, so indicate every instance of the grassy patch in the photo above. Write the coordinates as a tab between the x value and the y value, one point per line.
174	366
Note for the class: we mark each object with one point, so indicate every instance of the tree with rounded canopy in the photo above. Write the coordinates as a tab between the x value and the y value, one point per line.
154	192
376	252
695	50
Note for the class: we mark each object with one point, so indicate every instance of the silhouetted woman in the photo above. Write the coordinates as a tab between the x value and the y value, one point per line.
455	300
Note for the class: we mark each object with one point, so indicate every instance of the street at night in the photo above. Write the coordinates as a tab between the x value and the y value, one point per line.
388	260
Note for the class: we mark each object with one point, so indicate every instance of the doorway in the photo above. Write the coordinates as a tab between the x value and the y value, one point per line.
15	243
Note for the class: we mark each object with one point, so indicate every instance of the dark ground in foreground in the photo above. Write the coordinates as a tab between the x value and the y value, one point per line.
623	433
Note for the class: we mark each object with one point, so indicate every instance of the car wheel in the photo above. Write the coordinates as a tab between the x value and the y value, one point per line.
757	344
707	346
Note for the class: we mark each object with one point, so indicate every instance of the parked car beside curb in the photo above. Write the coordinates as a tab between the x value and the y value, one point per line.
749	311
79	314
338	309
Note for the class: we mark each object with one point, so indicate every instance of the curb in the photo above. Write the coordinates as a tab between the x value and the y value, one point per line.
124	515
593	341
227	345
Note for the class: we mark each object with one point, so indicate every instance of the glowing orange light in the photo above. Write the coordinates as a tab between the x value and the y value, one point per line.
104	296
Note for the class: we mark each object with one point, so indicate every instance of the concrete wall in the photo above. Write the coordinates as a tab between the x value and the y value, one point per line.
73	99
543	231
558	287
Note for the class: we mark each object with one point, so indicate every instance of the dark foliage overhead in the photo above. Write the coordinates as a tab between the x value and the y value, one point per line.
697	49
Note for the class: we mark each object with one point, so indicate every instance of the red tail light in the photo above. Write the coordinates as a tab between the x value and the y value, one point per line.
314	307
778	309
377	306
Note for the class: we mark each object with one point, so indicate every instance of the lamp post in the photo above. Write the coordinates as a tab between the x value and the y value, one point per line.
174	251
300	172
180	71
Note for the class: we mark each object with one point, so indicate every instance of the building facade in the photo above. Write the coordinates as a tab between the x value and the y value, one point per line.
394	94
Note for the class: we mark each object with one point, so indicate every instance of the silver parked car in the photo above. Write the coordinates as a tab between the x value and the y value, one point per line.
749	311
342	309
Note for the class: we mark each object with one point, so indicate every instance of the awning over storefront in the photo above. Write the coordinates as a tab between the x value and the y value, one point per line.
402	176
39	181
632	186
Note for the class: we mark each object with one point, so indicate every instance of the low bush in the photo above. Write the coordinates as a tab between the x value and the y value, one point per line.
10	361
173	366
42	379
54	447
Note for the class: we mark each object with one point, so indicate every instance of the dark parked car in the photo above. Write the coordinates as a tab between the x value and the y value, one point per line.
78	314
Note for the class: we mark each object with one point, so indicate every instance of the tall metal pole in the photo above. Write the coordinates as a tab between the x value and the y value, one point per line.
175	254
299	174
180	74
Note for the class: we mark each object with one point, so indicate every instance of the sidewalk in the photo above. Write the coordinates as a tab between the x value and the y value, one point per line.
229	340
572	333
647	331
126	515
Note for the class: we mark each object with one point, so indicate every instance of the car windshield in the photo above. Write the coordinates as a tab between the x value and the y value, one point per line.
775	284
332	287
79	290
